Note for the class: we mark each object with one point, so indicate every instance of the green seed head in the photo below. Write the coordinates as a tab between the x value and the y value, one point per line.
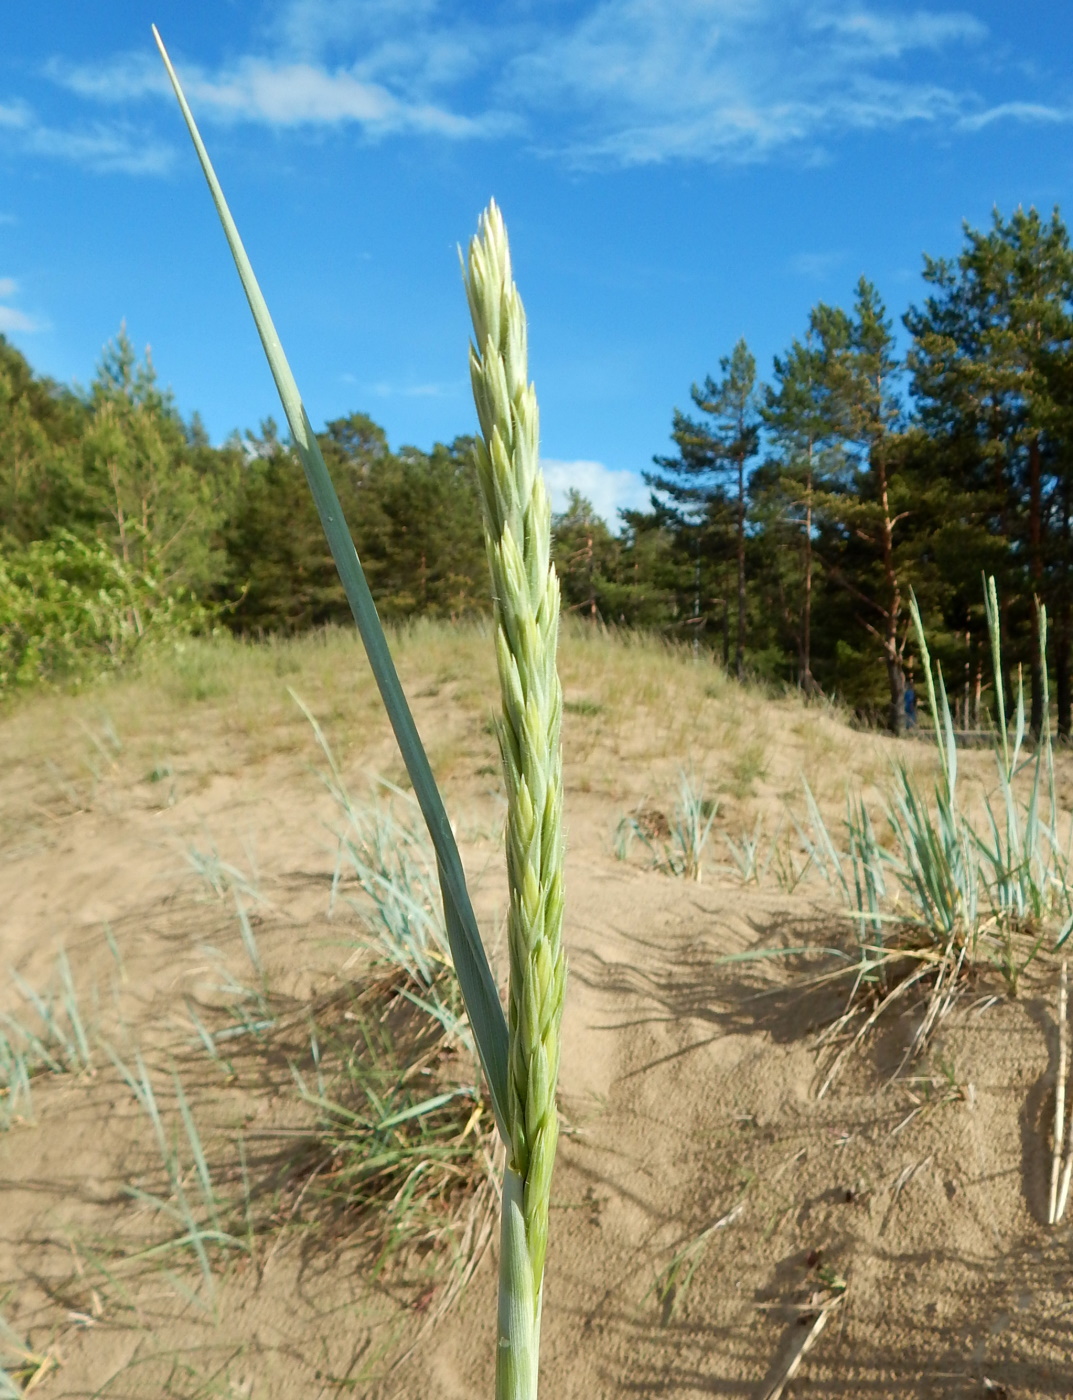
517	520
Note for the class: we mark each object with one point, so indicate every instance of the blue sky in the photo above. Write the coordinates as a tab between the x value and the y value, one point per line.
674	174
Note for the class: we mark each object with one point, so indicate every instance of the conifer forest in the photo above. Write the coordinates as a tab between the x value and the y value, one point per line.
794	511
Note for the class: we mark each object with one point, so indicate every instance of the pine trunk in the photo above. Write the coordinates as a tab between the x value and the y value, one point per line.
891	653
808	685
1062	621
740	659
1035	549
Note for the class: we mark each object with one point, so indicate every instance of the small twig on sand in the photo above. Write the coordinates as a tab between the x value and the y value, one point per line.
801	1349
1063	1194
1059	1095
898	991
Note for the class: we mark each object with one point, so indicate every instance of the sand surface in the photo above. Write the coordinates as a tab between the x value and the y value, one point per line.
706	1201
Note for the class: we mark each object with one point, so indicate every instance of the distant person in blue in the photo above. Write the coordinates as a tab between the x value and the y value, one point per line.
910	705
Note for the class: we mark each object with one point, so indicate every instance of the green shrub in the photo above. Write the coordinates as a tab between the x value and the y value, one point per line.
70	609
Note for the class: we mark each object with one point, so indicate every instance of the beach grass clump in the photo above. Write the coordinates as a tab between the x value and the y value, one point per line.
949	891
49	1037
404	1138
194	1217
675	845
386	872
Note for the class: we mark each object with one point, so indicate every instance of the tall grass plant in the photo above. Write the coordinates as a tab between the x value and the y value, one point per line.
520	1053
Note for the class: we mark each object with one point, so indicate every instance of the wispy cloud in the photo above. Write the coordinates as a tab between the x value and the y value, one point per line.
383	390
11	318
816	265
723	81
609	490
891	35
277	92
107	149
100	146
1017	111
292	94
619	82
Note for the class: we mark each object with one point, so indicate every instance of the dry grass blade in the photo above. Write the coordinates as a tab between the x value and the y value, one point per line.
1067	1174
1059	1092
801	1349
673	1282
21	1369
902	987
943	995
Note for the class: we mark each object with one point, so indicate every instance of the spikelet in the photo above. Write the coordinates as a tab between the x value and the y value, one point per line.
517	522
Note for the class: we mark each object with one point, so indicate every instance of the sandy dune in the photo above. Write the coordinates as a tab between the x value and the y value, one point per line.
693	1131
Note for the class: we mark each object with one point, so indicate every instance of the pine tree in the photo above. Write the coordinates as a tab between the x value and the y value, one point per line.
712	456
586	556
797	415
153	492
860	377
986	359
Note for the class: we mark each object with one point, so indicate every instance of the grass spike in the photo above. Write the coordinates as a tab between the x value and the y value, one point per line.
525	590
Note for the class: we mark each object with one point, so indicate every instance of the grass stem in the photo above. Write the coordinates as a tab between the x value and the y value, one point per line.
1059	1091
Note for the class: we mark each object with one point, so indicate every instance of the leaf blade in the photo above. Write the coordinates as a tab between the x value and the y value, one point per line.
471	962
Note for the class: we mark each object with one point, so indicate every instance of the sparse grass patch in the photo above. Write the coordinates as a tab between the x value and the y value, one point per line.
193	1216
747	856
748	764
677	845
404	1138
946	894
21	1368
50	1038
587	708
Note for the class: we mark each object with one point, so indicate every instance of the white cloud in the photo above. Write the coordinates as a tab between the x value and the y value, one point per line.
301	93
608	490
889	36
619	82
1016	111
277	92
123	79
309	27
14	115
11	319
100	146
721	81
